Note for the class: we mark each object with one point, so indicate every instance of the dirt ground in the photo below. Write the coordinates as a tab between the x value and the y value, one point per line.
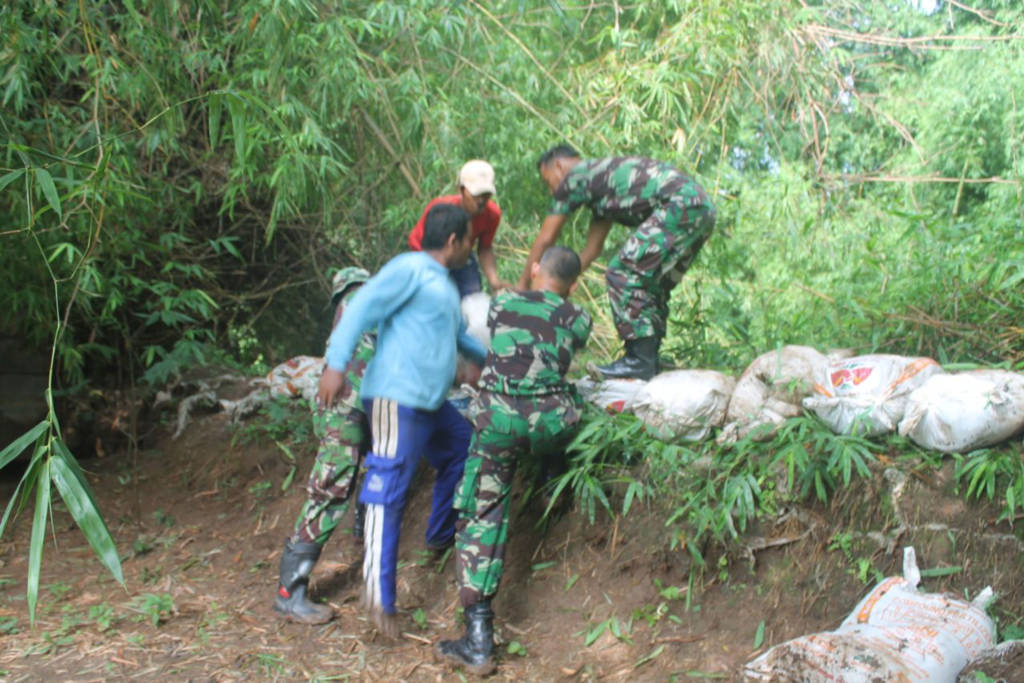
202	529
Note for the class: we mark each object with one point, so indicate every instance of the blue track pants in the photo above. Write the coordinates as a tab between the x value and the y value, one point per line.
401	436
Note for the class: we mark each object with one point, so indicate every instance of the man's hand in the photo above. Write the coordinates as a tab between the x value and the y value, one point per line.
500	285
331	383
548	235
490	268
467	372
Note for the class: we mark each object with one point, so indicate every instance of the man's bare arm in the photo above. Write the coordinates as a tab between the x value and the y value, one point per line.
331	383
549	231
490	268
598	233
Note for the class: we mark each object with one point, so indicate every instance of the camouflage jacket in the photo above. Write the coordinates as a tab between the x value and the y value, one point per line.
625	189
533	337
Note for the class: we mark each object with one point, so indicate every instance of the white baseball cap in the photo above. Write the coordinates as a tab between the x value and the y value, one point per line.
477	176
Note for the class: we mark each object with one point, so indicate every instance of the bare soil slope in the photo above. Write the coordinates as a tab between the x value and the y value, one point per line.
201	534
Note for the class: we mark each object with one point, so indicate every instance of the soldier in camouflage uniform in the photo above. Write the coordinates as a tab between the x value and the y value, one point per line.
344	435
525	407
671	216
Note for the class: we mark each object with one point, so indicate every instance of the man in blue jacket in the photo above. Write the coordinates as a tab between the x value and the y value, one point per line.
414	305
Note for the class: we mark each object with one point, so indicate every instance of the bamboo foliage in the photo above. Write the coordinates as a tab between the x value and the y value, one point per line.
179	178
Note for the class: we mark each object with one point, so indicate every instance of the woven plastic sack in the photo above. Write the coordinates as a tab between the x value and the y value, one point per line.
896	633
474	310
964	411
867	395
298	376
1002	662
684	405
770	391
611	395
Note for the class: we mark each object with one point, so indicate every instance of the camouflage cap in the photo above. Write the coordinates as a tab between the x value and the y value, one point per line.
347	277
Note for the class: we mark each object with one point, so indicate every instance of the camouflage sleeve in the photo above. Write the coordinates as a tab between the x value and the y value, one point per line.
497	305
560	207
568	196
581	328
366	347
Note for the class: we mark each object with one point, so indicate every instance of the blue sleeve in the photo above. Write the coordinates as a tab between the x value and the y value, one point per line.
375	301
470	345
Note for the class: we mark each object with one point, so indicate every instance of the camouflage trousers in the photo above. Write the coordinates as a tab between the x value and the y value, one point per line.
344	435
651	263
505	429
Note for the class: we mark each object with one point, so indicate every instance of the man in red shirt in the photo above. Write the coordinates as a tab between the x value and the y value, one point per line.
476	187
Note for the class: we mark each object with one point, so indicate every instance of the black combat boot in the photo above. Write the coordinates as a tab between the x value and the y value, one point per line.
296	564
640	361
359	521
475	650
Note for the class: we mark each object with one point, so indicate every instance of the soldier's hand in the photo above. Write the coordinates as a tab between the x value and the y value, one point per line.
331	383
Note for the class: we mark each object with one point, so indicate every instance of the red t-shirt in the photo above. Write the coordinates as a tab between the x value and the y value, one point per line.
483	225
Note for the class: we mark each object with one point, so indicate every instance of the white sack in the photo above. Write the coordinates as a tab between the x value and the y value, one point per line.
770	391
896	633
611	395
995	663
474	310
868	394
964	411
684	404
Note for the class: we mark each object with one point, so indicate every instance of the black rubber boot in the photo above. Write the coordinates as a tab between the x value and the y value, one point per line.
297	562
359	521
475	650
640	361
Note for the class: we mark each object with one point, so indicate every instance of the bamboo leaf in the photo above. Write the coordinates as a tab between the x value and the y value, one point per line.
35	547
20	495
628	500
940	571
236	110
49	189
596	632
646	658
75	491
9	178
14	449
216	105
288	479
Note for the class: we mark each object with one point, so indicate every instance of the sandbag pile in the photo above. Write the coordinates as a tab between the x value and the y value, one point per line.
867	395
896	633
